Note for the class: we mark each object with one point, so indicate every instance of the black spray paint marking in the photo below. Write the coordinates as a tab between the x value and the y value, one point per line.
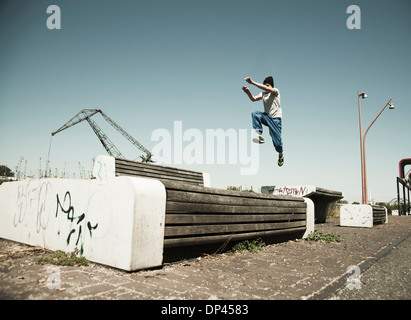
68	209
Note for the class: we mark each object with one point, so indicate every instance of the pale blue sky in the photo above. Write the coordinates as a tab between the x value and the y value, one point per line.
150	63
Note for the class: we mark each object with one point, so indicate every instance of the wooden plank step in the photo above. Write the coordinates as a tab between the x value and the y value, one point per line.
182	207
121	163
178	219
120	168
176	186
177	231
328	193
162	173
190	241
228	199
198	181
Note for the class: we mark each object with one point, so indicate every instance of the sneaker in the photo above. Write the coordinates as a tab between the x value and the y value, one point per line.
281	161
259	139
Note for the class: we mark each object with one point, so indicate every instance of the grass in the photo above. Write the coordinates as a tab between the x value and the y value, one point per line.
62	258
253	246
326	237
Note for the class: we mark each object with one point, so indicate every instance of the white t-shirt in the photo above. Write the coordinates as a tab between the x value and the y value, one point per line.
272	105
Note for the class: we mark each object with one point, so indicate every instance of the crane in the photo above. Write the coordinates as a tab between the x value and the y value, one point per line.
86	114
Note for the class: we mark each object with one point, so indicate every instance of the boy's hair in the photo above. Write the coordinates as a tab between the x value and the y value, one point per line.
269	80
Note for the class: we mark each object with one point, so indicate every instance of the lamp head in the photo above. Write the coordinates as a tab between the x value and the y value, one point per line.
391	105
363	95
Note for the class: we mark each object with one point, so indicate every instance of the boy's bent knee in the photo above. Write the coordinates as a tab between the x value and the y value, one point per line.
256	113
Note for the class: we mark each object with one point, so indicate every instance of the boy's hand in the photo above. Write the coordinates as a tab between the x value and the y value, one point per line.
245	89
248	79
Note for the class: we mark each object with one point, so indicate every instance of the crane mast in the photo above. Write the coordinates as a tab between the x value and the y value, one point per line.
86	114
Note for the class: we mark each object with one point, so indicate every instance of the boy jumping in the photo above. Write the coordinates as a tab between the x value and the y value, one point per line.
271	117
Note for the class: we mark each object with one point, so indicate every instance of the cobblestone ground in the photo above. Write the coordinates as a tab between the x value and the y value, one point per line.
388	279
295	269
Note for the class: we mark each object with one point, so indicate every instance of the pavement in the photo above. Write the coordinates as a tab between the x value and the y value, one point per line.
387	279
290	270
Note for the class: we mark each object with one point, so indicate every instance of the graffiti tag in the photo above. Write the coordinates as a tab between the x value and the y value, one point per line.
291	191
32	197
67	208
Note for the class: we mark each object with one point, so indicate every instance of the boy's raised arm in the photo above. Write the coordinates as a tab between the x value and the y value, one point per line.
252	98
260	85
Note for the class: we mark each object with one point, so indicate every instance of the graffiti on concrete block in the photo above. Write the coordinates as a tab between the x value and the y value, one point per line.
295	191
32	197
76	232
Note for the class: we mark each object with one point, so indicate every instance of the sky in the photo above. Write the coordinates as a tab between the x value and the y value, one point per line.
150	65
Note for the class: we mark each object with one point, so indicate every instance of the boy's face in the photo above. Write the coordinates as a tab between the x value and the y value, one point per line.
268	85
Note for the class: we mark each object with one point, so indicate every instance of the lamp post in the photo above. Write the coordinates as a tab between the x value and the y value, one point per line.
363	95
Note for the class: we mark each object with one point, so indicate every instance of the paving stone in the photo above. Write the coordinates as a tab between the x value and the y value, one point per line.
295	269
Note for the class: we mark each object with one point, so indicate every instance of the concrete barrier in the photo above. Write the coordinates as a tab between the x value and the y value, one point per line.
356	215
125	221
321	197
117	221
310	217
362	215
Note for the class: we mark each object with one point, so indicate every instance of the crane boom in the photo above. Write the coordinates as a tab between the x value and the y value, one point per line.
81	116
105	141
86	114
125	134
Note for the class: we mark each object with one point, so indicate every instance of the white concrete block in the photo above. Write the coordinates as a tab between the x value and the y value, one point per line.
206	179
386	214
356	215
310	217
118	221
104	167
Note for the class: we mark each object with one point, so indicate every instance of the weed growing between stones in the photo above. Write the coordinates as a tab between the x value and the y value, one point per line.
326	237
253	246
62	258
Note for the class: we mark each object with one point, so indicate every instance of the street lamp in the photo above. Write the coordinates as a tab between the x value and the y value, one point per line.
363	95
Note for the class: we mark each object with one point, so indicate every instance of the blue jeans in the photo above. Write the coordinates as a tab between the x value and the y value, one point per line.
273	124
